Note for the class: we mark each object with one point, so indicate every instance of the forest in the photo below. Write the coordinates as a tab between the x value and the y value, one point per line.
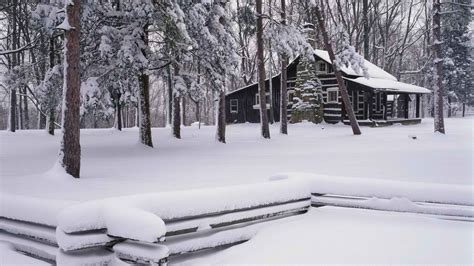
125	63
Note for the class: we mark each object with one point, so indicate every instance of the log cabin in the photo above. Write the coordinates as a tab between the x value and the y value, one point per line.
380	99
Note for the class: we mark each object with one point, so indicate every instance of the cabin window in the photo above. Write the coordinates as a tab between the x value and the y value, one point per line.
322	67
355	102
378	101
333	95
234	106
267	98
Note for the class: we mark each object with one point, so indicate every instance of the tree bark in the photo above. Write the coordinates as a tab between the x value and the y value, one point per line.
337	72
283	80
221	118
170	96
184	110
144	101
26	119
438	69
261	73
52	100
13	101
70	152
176	109
365	10
118	112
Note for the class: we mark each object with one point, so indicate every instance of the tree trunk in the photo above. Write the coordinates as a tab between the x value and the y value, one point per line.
261	73
70	152
13	102
20	109
50	120
337	72
176	116
26	119
270	68
221	118
176	108
438	69
283	80
170	96
198	114
118	112
144	100
52	100
184	109
463	109
365	10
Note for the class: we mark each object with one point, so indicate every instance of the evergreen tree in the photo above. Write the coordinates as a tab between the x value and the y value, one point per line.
456	52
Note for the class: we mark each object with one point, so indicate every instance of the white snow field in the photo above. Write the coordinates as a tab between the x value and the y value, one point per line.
331	235
387	162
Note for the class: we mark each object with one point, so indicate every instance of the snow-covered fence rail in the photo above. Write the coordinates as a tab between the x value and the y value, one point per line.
450	201
149	228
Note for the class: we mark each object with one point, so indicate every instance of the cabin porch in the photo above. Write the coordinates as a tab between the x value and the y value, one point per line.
378	104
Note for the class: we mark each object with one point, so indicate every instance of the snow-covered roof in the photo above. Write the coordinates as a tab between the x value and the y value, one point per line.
373	70
389	85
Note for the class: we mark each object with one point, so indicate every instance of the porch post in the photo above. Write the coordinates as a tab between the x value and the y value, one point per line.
385	104
418	105
370	103
407	98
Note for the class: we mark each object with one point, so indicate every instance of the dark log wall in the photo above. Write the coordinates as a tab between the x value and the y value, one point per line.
367	103
248	111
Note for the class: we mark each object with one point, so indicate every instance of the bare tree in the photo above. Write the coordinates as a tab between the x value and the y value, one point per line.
261	73
283	80
438	69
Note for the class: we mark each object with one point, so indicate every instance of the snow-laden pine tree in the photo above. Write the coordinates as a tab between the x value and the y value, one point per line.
213	43
288	41
457	56
44	19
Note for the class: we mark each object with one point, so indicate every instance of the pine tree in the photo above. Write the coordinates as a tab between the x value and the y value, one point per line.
456	51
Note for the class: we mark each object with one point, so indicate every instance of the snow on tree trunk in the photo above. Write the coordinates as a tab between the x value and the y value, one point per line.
438	69
283	85
144	110
176	108
52	108
144	100
340	81
13	102
261	73
70	151
221	117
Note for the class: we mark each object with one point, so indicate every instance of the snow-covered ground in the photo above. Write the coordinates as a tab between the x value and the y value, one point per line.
114	164
340	236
